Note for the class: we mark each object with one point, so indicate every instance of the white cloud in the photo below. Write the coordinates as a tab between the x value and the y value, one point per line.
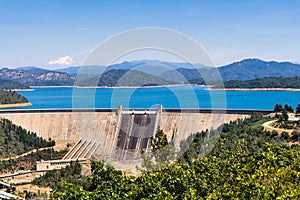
82	29
65	60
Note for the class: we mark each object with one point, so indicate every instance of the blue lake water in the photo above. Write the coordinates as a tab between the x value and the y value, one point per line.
169	97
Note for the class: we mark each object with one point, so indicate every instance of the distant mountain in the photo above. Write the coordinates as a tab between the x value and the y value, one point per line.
244	70
254	68
130	78
69	70
153	67
121	77
160	71
10	85
48	78
33	69
183	75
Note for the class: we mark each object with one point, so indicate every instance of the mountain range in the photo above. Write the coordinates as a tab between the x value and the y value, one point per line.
34	76
149	72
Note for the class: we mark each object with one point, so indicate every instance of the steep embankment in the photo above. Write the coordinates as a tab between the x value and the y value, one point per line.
15	140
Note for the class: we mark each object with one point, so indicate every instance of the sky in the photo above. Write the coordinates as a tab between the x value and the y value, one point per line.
61	33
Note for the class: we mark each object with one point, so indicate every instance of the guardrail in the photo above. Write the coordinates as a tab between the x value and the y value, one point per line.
176	110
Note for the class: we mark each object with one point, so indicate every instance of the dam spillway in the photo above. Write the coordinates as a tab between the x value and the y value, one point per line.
119	131
136	129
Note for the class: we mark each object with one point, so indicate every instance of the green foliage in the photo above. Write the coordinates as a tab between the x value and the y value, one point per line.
284	116
268	174
295	136
159	140
249	130
122	77
8	97
267	82
9	85
162	152
283	119
288	108
298	109
30	160
277	108
246	163
55	178
285	135
15	140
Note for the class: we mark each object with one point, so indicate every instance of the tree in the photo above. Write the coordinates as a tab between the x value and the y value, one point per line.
162	152
284	116
285	135
288	108
295	136
159	140
298	109
277	108
256	116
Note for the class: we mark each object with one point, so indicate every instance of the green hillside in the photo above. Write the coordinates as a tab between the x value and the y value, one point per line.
9	84
129	78
268	82
9	97
15	140
246	163
28	161
121	77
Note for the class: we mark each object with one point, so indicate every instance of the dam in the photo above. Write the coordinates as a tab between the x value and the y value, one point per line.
118	133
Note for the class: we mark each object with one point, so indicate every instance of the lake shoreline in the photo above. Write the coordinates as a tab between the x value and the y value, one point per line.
15	105
95	87
255	89
22	90
209	87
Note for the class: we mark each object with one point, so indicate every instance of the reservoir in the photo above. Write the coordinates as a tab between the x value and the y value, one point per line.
168	96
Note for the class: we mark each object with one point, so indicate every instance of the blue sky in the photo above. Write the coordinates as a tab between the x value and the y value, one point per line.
35	32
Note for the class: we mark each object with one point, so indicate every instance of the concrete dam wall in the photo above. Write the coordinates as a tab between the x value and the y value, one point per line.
121	132
63	126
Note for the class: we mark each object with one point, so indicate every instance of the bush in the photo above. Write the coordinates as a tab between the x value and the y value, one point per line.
285	135
274	134
295	136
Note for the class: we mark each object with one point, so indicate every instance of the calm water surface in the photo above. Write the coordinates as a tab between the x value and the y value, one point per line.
169	97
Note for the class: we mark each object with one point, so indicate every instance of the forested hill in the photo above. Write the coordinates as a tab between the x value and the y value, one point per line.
121	77
248	69
268	82
116	77
9	84
15	140
9	97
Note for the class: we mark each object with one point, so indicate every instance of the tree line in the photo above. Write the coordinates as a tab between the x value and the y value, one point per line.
267	82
